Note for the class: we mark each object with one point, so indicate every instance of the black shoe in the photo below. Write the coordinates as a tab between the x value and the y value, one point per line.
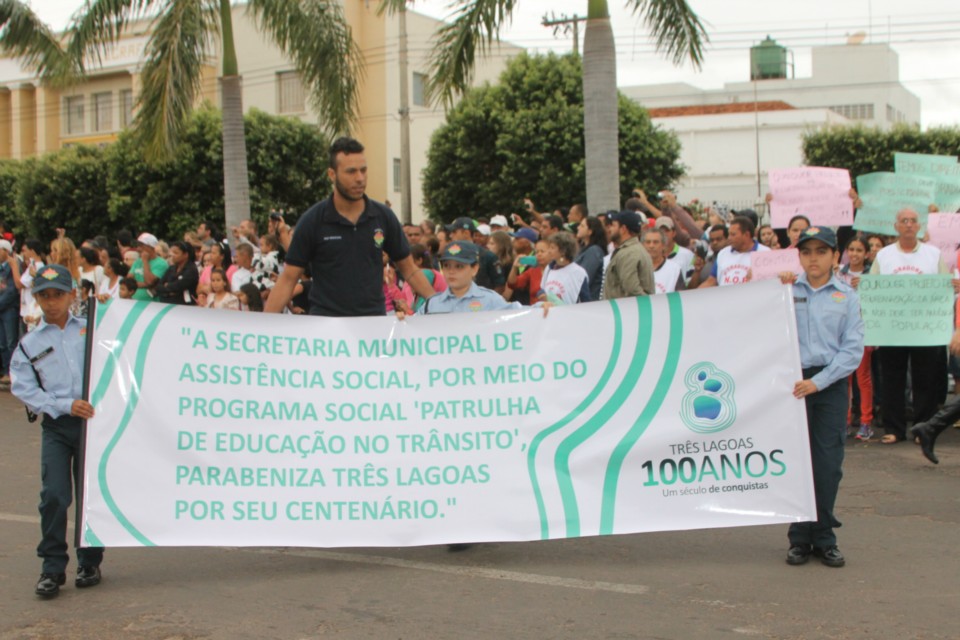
922	433
798	554
49	584
460	546
87	577
830	556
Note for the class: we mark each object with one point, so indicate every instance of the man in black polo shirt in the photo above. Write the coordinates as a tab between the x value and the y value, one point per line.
342	240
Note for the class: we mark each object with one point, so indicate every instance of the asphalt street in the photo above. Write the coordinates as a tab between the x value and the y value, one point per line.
902	580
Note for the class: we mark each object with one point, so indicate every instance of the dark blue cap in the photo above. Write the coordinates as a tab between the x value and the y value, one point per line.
526	232
461	223
52	276
823	234
629	219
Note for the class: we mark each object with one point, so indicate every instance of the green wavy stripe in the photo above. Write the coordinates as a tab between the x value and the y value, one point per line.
612	479
114	351
593	425
102	311
535	443
125	420
90	537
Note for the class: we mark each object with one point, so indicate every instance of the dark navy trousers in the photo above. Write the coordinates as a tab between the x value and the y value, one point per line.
60	479
827	428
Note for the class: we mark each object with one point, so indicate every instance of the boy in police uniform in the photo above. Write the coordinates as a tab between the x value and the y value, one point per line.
460	262
46	374
830	332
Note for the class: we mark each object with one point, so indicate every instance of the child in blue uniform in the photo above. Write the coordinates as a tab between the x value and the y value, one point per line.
460	262
46	374
830	332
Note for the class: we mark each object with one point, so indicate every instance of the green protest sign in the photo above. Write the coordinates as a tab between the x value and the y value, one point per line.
907	310
884	194
943	170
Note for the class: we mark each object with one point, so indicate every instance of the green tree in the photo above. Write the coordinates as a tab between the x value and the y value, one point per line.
66	189
864	150
677	32
524	138
313	33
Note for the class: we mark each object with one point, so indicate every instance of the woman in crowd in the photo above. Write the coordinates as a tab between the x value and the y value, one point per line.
114	272
796	226
250	299
64	253
875	242
563	281
861	382
592	239
424	260
220	258
220	296
768	237
179	283
90	268
501	244
31	253
525	274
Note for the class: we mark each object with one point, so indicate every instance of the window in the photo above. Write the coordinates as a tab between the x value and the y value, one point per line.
397	178
103	111
854	111
73	105
126	107
419	89
290	92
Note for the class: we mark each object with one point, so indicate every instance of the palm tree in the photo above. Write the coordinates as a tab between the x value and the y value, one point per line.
23	35
676	28
314	34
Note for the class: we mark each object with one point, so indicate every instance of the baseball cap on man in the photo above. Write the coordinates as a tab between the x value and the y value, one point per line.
6	246
484	229
823	234
464	252
53	276
663	222
148	239
462	222
527	233
499	221
629	219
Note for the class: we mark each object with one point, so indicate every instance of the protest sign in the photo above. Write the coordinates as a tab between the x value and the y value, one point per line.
884	194
943	170
944	229
906	310
217	428
820	193
768	265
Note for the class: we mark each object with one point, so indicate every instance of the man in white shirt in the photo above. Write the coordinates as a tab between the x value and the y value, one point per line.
928	365
667	276
733	261
680	256
244	261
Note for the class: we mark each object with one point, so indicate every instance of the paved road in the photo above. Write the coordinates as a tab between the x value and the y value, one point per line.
902	580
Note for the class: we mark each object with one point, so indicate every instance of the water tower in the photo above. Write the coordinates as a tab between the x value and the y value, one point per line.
768	61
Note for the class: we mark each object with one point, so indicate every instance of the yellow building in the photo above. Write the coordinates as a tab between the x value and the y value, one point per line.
35	119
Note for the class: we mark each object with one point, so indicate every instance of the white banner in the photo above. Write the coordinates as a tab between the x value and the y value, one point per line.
222	428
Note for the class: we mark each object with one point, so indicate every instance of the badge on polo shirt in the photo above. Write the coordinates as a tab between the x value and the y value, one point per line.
839	297
378	238
476	305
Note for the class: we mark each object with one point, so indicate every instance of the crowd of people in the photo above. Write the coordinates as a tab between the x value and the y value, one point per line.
349	255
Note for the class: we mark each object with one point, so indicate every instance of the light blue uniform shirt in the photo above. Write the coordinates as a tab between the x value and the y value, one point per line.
830	329
476	298
59	363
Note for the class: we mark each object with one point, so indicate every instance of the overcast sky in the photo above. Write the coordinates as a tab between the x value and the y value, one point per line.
923	32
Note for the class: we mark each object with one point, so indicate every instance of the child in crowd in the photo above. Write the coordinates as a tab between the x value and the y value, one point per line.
250	299
128	286
830	332
220	296
861	381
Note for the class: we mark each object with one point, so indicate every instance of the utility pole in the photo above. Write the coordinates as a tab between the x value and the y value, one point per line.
406	206
565	24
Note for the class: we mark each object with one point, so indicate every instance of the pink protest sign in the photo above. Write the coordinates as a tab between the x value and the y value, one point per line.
820	193
944	230
767	265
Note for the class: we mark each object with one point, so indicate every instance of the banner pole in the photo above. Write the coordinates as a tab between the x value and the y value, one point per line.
85	394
